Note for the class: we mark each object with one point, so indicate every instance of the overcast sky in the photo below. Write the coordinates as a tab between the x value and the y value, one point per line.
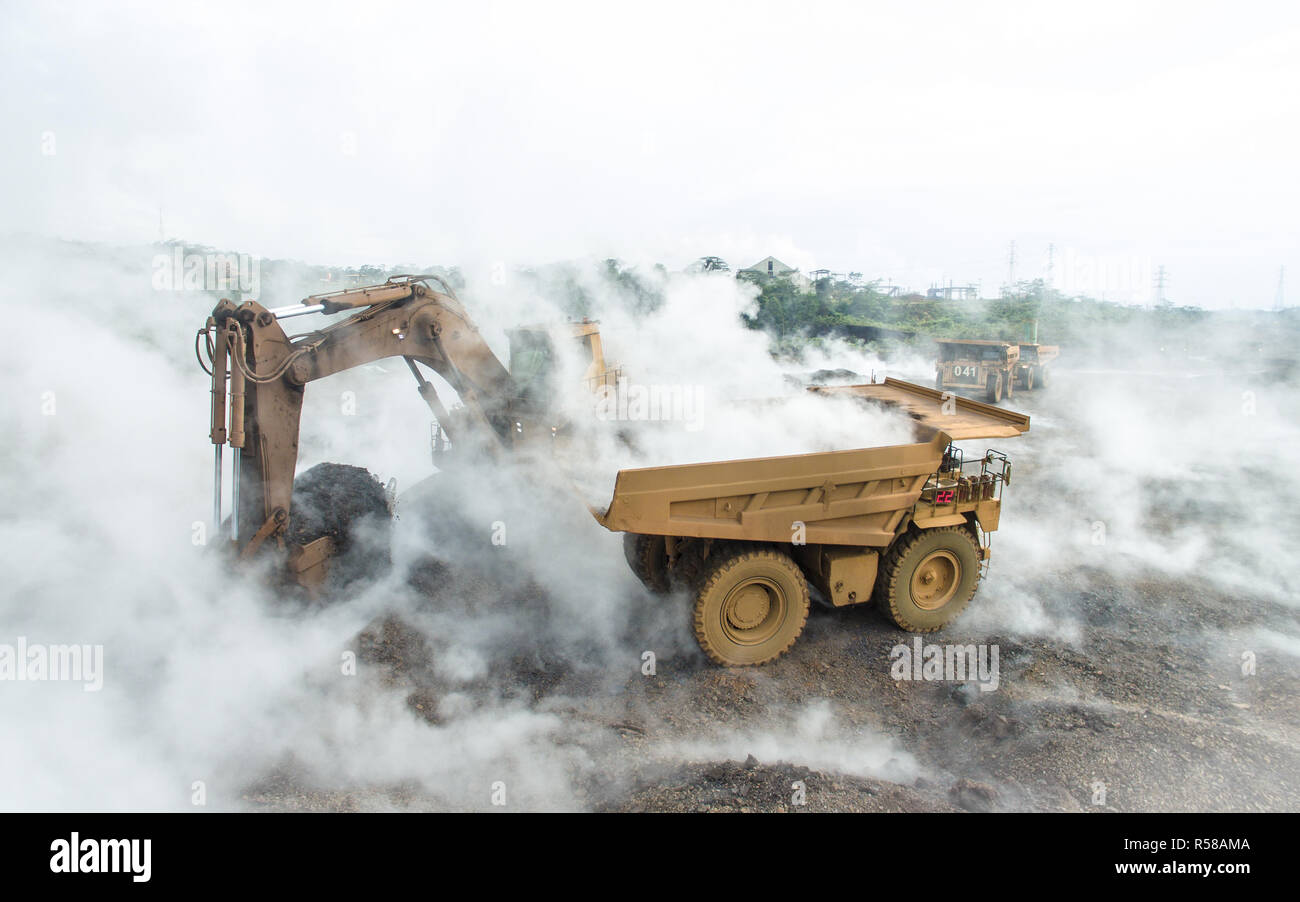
910	141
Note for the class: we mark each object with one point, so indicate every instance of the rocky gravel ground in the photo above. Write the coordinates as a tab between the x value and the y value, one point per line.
1130	720
1142	688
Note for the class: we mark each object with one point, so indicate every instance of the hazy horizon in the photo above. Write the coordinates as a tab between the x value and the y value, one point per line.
911	145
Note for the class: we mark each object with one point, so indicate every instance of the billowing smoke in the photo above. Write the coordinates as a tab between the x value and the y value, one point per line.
504	655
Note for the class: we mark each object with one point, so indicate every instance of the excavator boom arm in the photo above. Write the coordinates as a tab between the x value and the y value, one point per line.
267	372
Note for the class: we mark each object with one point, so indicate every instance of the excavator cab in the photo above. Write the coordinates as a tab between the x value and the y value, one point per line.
533	365
535	360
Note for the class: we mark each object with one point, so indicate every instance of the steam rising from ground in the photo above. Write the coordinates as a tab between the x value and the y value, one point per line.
207	678
1179	472
814	739
106	477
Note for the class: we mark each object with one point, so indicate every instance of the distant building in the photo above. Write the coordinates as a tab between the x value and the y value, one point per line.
772	268
769	266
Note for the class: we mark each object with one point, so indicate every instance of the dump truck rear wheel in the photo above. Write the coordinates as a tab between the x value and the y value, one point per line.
648	558
750	607
994	389
928	578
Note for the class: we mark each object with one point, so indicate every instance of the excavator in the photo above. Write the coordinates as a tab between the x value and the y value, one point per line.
259	374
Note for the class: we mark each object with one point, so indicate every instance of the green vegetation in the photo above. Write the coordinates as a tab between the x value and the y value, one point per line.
798	315
789	313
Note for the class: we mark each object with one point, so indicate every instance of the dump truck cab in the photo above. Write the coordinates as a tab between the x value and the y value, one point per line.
974	365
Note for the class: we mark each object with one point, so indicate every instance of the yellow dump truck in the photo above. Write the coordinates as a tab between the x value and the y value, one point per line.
905	525
977	366
1031	366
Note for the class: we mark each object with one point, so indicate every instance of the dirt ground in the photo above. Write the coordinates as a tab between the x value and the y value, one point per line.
1143	715
1148	707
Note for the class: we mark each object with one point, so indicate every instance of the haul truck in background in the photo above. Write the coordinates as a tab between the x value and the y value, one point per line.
1031	367
977	366
906	525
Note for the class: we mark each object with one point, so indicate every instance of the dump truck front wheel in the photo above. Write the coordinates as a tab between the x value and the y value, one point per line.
751	607
928	578
1028	380
648	558
994	388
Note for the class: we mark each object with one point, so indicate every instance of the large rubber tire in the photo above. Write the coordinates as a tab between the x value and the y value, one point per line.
1042	376
1009	384
751	607
648	558
350	506
994	388
927	578
1029	378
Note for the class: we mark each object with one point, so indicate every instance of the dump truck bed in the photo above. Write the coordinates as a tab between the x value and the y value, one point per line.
851	497
1036	353
961	419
